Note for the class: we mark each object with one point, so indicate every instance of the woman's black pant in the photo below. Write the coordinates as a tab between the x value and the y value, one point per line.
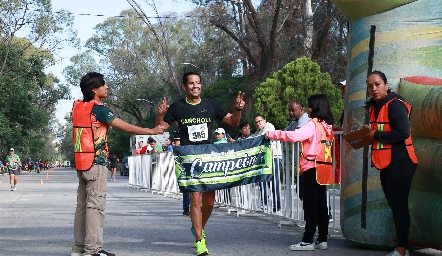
315	207
396	182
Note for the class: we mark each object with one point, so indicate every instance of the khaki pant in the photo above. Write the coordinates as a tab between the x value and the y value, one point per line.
90	212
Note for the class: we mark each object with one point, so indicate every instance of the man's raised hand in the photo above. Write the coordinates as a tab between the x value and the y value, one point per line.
239	102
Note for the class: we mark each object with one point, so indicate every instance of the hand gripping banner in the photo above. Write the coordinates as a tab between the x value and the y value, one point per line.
201	168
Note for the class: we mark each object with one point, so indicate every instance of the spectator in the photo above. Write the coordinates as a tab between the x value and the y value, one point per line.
262	127
220	136
113	159
169	146
244	132
297	115
142	149
155	148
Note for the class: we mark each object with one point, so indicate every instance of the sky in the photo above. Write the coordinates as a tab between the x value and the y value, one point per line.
85	24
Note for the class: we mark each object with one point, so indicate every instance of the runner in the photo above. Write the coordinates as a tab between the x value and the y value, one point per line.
13	163
195	117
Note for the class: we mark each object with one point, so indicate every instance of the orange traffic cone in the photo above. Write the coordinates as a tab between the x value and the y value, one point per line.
41	181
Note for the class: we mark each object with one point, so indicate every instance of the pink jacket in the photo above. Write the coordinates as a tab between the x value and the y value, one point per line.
310	136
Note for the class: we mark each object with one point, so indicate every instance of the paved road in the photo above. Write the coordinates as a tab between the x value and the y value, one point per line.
37	219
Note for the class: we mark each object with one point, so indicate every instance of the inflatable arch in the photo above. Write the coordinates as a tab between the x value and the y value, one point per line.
403	39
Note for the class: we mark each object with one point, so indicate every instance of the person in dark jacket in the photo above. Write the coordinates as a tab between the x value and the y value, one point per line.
392	152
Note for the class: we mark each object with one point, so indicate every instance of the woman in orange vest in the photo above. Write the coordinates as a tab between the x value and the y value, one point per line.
91	119
392	151
316	169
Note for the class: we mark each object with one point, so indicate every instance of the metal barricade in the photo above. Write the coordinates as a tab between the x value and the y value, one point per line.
278	197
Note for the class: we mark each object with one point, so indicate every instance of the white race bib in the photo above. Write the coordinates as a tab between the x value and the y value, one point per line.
198	132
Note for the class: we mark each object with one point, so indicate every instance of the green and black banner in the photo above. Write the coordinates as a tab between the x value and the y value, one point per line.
201	168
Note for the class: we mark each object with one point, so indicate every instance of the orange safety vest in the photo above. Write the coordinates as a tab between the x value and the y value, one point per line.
324	157
84	147
381	152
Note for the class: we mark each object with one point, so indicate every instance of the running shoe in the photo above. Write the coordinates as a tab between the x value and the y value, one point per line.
15	187
201	248
203	235
396	253
12	188
302	247
100	253
321	246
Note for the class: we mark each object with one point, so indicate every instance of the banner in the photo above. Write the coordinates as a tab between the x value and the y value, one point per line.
201	168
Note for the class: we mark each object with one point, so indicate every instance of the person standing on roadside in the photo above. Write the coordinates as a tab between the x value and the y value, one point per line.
392	152
316	168
13	163
262	126
244	132
297	115
155	147
195	117
91	120
169	146
220	136
113	159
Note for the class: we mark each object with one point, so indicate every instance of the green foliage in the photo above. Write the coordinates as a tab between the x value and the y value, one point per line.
26	104
119	142
297	80
225	92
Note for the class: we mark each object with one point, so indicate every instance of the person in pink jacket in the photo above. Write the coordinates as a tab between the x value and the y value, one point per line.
312	137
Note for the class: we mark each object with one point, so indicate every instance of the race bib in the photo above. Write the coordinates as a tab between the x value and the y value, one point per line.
198	132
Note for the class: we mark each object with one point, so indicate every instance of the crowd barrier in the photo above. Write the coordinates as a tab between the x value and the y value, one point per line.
156	173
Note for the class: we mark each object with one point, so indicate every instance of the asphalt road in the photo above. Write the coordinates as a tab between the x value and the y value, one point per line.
37	219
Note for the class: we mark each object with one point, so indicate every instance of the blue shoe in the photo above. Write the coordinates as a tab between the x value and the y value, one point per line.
203	235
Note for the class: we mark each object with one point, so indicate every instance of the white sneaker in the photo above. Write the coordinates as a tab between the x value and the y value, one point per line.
302	247
396	253
322	246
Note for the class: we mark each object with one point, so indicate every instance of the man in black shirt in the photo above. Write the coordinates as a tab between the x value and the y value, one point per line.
195	116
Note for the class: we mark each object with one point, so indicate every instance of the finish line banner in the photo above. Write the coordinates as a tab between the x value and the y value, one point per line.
201	168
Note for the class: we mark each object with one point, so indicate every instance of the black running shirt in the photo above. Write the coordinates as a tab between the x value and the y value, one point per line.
195	120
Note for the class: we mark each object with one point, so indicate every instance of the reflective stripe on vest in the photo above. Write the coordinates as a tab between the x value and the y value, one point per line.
381	152
84	147
324	157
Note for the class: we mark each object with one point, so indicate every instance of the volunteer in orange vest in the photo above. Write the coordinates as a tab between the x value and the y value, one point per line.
316	169
392	151
91	120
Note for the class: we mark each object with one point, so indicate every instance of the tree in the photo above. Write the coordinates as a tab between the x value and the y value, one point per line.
26	102
297	80
47	32
270	33
27	95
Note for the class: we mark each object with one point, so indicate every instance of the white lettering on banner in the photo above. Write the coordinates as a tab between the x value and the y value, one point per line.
224	166
196	161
